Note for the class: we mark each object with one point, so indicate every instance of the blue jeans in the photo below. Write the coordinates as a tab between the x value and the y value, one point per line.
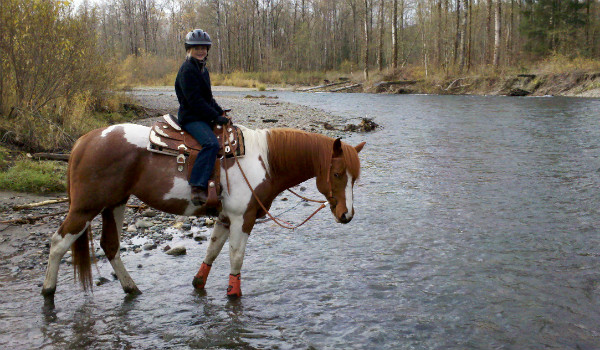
205	162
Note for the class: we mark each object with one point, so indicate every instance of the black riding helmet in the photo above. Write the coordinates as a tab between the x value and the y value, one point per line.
197	37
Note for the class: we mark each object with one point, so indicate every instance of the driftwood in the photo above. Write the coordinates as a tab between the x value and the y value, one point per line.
322	86
397	82
29	220
40	204
136	206
346	87
63	200
50	156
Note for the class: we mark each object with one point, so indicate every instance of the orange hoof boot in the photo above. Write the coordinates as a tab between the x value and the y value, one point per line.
200	278
234	290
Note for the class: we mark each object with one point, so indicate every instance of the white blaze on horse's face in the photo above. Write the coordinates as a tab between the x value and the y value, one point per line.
341	181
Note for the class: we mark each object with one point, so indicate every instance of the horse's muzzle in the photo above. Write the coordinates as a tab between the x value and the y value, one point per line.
345	218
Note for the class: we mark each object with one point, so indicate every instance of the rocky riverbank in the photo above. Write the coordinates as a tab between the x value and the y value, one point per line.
574	84
253	110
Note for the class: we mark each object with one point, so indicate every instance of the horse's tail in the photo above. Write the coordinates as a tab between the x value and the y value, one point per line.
82	264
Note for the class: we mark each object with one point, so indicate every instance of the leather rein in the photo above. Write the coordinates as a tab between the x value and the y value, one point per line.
279	222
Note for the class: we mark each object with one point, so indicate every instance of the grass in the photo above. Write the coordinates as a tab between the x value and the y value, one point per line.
34	176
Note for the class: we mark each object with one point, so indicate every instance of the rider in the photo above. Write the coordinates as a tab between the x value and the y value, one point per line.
198	110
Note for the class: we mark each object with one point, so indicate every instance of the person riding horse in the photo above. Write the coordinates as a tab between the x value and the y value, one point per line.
198	110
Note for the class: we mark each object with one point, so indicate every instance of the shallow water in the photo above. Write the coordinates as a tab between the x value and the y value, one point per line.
476	227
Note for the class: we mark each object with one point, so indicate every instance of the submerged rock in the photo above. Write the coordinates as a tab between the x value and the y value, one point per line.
179	250
101	280
141	223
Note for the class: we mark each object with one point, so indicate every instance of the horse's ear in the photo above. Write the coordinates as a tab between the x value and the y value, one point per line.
359	147
337	148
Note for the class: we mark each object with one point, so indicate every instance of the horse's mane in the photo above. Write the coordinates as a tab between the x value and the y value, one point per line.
297	151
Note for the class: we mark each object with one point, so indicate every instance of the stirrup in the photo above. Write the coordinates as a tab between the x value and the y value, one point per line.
212	200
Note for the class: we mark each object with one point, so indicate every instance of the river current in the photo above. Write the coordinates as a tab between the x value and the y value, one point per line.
476	227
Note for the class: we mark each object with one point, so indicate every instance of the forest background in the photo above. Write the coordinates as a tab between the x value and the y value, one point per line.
61	62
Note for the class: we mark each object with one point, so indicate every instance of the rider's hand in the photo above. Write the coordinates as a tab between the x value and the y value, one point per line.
222	120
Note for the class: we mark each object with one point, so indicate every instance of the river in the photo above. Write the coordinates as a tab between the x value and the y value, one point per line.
476	227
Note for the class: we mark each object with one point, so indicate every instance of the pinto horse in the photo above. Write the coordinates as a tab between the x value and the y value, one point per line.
109	165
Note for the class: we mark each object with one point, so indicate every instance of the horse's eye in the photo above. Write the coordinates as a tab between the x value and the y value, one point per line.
338	175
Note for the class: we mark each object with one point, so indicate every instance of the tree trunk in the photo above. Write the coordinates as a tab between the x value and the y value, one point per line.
498	33
381	32
458	33
219	46
366	70
488	29
395	35
463	37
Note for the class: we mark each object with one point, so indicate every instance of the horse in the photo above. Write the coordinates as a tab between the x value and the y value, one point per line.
108	165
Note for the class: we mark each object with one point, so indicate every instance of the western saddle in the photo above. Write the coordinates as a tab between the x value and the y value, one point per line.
167	137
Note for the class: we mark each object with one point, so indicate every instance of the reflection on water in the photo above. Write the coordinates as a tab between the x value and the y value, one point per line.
475	228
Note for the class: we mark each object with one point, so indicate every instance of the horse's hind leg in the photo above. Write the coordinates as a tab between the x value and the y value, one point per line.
71	229
112	225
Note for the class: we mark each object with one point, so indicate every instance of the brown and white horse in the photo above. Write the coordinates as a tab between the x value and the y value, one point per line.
109	165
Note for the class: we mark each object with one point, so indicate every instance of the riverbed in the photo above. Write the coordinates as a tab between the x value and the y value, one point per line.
476	227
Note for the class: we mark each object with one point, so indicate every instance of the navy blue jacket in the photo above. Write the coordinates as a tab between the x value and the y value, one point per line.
192	86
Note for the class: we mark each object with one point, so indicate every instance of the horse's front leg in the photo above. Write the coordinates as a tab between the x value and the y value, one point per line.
216	242
237	248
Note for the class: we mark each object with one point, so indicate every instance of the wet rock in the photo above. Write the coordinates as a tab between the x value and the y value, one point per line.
367	124
200	238
179	250
149	213
149	246
140	266
518	92
102	280
209	222
328	126
141	223
166	248
186	227
177	225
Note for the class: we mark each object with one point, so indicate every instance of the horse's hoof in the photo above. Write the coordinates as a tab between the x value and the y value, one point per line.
48	292
199	280
198	283
234	295
234	290
132	291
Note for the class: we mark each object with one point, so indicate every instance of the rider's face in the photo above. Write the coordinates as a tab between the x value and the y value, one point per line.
199	52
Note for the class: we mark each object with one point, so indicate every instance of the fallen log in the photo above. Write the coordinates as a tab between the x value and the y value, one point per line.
40	204
50	156
32	219
322	86
346	87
